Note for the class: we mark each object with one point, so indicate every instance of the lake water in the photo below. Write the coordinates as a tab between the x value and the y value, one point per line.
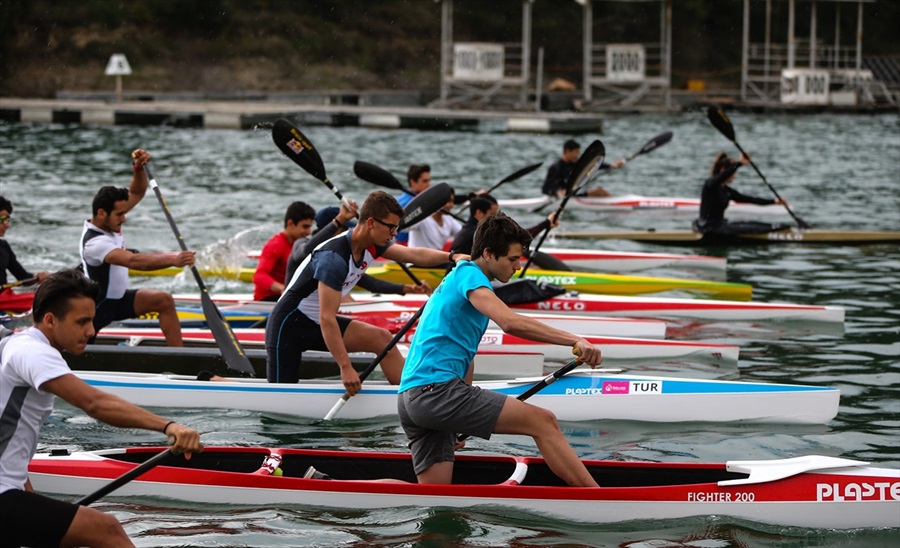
228	191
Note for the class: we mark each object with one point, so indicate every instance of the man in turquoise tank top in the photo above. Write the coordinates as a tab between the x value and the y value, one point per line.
437	399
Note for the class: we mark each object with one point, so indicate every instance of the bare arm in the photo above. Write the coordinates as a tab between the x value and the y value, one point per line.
138	187
329	304
116	411
486	302
421	256
149	261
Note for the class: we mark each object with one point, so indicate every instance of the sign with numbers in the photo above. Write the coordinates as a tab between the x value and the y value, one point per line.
478	61
625	62
804	86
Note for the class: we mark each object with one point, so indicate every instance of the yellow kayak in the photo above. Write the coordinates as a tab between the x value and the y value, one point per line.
589	282
244	274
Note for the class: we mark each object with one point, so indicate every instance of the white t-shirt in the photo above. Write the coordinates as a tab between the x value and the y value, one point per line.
27	362
428	233
96	244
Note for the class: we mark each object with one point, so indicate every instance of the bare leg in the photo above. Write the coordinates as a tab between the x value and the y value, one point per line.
518	417
152	300
364	337
94	528
441	472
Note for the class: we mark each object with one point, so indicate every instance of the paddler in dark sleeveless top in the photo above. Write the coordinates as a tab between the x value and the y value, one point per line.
716	195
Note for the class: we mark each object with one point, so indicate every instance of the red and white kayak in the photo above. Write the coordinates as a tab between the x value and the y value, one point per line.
494	341
635	202
607	305
15	301
810	491
656	307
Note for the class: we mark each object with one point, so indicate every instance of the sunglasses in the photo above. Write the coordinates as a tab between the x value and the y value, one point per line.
392	228
4	218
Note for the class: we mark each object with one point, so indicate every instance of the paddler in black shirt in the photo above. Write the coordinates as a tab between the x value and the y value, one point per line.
716	196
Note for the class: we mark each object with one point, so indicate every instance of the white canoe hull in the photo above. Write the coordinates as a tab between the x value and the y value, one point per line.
811	491
583	395
634	202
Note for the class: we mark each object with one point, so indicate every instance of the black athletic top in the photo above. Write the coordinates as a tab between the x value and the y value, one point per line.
716	196
9	262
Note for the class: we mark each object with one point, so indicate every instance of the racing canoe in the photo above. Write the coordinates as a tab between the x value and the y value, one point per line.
809	491
392	317
494	341
788	236
657	307
582	395
15	301
589	282
634	202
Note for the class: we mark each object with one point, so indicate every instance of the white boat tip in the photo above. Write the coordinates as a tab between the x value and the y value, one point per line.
761	471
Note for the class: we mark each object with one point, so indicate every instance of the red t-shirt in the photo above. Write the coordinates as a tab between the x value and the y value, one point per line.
272	266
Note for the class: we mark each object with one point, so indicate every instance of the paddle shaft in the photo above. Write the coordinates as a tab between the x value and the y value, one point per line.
720	121
543	383
232	352
511	177
26	281
125	478
374	363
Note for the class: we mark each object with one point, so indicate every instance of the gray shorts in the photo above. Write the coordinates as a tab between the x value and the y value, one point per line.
432	415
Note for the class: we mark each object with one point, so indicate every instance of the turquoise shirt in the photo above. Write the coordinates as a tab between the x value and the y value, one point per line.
449	331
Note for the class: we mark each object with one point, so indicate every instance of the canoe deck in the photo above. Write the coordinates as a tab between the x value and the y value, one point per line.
689	238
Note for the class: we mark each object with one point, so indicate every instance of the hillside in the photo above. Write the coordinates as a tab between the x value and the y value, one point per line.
278	45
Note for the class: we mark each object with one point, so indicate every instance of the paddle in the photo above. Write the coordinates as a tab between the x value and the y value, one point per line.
296	146
26	281
649	146
585	168
383	178
126	477
721	122
374	363
511	177
543	383
234	355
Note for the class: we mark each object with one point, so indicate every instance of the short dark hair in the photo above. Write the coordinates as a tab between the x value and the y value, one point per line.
379	204
5	204
416	170
571	144
299	211
107	197
58	289
482	203
496	233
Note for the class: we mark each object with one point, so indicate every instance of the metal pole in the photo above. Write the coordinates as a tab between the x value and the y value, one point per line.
812	36
791	44
667	26
539	80
859	33
768	46
526	49
446	47
587	49
745	46
837	35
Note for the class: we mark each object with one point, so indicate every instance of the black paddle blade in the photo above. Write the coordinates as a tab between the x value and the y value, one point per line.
586	166
656	142
232	351
721	122
298	148
371	173
425	203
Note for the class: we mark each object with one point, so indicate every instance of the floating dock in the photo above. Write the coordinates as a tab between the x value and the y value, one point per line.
225	114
